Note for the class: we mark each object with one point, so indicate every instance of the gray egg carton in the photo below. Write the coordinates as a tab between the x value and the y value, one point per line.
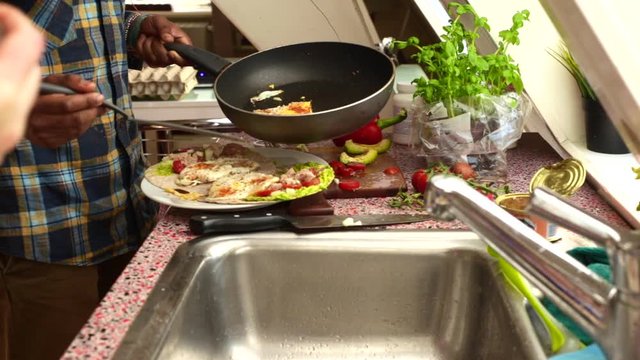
167	83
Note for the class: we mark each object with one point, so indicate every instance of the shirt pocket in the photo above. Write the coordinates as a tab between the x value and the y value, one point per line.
58	23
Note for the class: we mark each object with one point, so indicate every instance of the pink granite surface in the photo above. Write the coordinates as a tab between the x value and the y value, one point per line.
100	337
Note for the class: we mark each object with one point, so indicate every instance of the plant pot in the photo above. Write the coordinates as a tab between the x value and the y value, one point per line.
602	135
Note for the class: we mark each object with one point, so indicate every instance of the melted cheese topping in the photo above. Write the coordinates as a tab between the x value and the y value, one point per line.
240	186
292	108
183	194
210	171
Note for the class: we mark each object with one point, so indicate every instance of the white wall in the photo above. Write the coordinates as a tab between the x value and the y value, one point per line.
557	96
551	87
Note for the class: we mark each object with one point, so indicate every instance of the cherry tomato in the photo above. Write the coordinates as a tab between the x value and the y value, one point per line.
177	166
349	184
357	166
463	170
345	171
419	180
487	194
392	170
336	164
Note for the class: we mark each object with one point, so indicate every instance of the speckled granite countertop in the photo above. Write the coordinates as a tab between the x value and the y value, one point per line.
100	336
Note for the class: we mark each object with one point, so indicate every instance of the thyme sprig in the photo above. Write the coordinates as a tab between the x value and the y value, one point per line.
407	199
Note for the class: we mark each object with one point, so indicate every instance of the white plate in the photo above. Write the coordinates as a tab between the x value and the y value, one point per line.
282	157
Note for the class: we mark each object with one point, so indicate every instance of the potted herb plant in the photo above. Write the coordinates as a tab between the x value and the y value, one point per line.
473	104
601	134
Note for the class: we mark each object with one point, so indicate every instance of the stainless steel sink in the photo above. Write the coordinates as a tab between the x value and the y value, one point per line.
338	295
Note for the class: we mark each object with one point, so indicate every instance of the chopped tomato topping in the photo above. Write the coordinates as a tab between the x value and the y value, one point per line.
178	166
349	184
310	182
264	192
293	185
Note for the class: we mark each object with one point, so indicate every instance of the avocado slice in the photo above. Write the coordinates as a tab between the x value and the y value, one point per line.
353	148
366	158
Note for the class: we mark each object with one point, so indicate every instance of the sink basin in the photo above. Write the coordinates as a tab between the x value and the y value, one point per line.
336	295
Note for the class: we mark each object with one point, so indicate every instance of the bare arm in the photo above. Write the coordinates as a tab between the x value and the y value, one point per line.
19	74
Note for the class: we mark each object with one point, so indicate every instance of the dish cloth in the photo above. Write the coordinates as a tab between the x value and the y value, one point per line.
597	260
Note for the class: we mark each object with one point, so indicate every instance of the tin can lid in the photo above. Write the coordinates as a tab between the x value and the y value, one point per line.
515	203
564	177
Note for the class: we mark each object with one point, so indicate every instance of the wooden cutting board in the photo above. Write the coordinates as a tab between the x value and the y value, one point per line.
373	183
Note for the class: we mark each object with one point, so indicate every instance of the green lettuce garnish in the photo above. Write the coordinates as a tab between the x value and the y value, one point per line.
164	168
326	176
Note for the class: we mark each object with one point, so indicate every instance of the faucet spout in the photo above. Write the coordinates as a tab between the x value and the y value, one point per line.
575	289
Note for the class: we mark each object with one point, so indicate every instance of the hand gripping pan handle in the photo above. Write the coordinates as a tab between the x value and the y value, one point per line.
205	60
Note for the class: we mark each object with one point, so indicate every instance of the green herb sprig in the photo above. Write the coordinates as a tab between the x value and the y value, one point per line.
454	67
564	57
407	199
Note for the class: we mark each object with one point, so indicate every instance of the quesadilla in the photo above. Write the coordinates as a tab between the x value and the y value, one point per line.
235	174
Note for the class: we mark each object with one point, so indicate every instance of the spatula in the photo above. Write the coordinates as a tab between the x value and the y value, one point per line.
46	88
556	335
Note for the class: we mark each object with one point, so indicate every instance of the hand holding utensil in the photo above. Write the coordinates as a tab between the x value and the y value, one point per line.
47	88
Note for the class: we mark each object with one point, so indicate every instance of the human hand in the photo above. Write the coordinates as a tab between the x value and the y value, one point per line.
56	118
155	31
19	74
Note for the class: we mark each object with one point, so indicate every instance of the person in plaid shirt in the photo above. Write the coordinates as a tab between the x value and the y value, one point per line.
71	209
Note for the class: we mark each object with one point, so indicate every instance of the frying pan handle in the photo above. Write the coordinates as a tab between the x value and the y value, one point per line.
205	60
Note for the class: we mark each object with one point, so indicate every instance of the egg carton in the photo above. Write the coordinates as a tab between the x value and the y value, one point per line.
168	83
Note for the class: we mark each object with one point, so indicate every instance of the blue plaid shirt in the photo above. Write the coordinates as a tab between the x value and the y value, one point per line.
81	203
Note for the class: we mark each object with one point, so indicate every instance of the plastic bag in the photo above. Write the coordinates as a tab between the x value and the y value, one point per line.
480	135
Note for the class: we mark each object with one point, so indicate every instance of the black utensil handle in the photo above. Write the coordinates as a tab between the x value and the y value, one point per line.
47	88
203	224
205	60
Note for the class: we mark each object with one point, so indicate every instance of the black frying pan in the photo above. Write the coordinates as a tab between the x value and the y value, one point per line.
348	84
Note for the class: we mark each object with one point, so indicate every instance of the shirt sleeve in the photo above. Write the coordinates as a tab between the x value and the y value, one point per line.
133	22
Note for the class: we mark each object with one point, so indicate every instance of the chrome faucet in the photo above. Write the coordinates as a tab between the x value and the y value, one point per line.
610	313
